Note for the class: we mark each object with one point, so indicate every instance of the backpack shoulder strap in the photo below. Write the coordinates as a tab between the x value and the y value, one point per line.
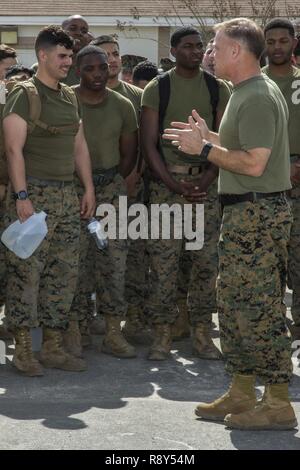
35	105
164	96
214	92
35	108
70	93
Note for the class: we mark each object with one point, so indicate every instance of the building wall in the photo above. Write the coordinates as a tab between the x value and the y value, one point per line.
144	41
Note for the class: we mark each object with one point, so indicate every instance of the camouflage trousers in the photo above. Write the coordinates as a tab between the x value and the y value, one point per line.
294	255
40	289
102	271
137	266
251	287
200	268
184	276
3	269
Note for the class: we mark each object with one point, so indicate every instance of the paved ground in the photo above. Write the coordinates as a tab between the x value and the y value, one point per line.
126	404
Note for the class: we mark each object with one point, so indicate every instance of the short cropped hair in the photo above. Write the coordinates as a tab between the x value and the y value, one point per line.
7	52
246	31
105	39
281	23
15	69
52	36
145	70
89	50
181	33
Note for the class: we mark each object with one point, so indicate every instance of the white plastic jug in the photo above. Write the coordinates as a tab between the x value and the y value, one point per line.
23	239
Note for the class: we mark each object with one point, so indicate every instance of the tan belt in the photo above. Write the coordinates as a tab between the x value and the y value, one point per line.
185	169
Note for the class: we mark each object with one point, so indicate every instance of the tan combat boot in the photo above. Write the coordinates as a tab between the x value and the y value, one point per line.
114	342
203	345
72	339
135	329
24	359
181	328
273	412
161	346
54	356
240	397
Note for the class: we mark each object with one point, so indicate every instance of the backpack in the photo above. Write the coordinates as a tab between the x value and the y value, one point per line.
35	108
164	89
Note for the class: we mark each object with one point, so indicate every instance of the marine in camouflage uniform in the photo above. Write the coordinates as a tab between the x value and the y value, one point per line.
113	147
3	192
137	269
281	36
41	287
7	59
252	152
188	90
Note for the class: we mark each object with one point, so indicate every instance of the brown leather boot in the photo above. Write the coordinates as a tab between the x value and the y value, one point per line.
274	412
161	346
54	356
114	342
240	397
135	329
181	328
203	345
24	359
72	339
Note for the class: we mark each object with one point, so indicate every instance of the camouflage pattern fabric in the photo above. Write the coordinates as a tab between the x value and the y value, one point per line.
251	287
184	275
294	254
137	265
40	289
103	270
3	270
165	258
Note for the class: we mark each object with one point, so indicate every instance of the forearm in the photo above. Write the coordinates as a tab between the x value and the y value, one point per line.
236	161
84	170
127	164
16	169
214	138
157	165
208	177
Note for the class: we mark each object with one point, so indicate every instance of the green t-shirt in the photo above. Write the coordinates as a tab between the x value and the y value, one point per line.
103	125
133	93
72	77
256	116
186	94
290	88
47	156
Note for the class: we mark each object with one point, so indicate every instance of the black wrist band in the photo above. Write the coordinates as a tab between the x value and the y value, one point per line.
205	151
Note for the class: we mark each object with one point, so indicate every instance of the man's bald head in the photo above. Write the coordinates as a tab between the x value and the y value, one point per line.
66	22
77	27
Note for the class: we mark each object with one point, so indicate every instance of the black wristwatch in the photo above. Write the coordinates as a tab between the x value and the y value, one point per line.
205	151
21	196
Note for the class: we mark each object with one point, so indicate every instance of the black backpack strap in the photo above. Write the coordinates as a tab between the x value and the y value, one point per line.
164	96
214	91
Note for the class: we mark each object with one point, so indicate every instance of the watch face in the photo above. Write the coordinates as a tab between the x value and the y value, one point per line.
22	195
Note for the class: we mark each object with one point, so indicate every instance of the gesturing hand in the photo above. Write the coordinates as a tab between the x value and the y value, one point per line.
187	139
